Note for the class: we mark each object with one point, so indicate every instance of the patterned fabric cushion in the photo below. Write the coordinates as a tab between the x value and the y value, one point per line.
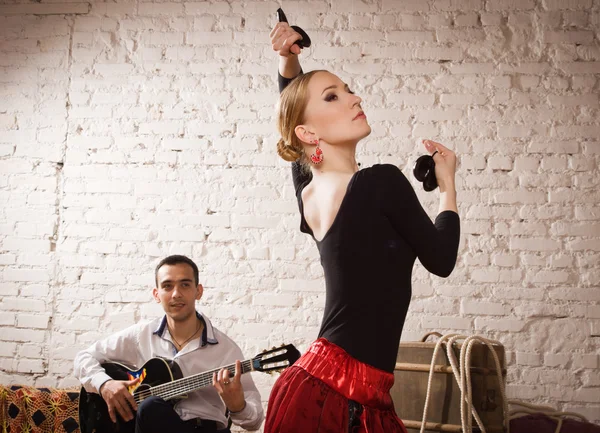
26	409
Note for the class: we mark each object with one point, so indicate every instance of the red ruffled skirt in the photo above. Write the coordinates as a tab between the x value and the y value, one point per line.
312	395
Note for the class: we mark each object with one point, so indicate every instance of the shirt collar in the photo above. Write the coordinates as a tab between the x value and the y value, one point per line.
208	333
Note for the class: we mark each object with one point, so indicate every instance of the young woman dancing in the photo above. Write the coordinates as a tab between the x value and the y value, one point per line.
369	228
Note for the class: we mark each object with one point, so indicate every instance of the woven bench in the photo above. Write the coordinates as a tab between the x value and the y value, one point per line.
25	409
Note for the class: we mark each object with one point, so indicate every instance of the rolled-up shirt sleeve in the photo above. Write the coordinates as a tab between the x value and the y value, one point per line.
120	347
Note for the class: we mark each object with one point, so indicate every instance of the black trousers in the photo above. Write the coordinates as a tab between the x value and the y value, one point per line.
155	415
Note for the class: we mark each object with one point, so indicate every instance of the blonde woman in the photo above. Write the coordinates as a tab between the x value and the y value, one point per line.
369	228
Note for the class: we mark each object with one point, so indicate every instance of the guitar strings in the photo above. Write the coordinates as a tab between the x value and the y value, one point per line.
174	388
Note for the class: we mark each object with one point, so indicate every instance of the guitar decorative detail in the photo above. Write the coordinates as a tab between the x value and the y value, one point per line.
164	379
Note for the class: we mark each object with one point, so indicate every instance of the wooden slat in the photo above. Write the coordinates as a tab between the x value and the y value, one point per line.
455	428
432	426
437	368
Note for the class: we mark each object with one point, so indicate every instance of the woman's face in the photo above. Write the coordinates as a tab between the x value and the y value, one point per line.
333	112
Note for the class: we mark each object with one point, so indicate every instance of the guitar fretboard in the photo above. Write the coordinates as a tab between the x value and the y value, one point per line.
188	384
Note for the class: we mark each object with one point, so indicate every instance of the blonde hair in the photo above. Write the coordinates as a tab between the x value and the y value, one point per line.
292	104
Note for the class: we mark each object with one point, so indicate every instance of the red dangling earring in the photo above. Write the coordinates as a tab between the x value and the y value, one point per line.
317	157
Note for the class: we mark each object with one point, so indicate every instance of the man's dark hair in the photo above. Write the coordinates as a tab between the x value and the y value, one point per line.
175	260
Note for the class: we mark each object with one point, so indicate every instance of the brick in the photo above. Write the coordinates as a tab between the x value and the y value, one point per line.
447	323
7	349
45	9
524	163
438	114
463	99
253	329
584	245
7	318
415	68
510	325
28	275
473	162
575	229
500	163
573	101
157	9
528	358
404	6
483	308
30	351
199	8
589	395
7	259
31	366
458	5
504	5
587	212
102	278
579	67
296	285
504	260
570	146
33	321
283	253
248	221
520	196
276	300
568	37
567	4
409	36
556	359
208	38
550	277
490	275
534	244
24	335
22	304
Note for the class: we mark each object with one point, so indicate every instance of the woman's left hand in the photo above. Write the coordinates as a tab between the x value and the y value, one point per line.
445	164
230	388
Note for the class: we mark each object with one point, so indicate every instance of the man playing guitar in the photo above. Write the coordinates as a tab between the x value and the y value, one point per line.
189	339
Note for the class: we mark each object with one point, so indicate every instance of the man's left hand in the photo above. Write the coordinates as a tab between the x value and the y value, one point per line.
230	388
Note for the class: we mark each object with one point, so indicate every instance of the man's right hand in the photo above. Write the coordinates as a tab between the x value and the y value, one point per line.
283	38
118	398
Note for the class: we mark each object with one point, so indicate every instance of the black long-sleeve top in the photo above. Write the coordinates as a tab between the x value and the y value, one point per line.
368	255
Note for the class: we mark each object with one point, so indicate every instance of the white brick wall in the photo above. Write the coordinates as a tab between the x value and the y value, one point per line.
132	130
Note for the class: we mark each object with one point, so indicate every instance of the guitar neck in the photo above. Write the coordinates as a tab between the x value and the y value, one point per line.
188	384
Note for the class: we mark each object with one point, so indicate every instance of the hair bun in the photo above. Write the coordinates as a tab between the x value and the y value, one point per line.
287	152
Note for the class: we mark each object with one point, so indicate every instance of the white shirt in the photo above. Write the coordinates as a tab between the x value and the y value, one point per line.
138	343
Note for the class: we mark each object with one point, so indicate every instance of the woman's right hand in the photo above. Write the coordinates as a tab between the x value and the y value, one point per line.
283	38
445	164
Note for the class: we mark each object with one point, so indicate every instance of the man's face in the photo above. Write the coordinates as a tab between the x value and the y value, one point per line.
177	291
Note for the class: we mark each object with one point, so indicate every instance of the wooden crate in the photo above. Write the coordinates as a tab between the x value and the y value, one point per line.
410	388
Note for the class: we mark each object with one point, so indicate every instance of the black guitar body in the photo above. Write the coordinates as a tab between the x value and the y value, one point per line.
93	411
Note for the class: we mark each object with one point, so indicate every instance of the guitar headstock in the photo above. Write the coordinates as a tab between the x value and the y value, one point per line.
276	359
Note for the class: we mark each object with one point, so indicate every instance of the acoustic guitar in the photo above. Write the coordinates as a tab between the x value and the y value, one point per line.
163	378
